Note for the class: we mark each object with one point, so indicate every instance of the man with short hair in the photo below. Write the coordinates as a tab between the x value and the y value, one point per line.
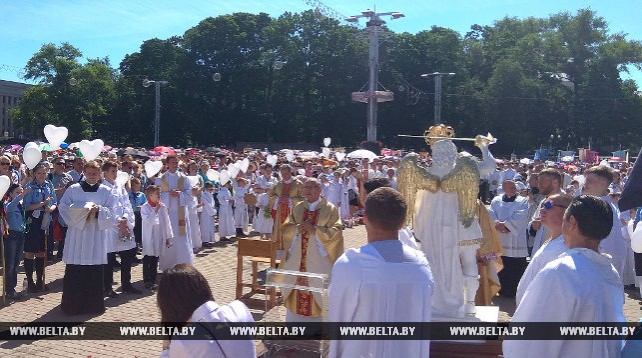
598	180
313	241
549	182
121	238
86	208
286	194
510	215
61	181
580	286
383	281
552	215
77	172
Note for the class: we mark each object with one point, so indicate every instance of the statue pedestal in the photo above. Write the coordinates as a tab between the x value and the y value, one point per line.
468	348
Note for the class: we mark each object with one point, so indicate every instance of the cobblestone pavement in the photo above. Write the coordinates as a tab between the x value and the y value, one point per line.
218	264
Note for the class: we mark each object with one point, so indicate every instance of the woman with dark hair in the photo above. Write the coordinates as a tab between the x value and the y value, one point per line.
185	296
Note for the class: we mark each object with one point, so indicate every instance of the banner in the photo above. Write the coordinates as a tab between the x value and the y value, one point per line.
320	331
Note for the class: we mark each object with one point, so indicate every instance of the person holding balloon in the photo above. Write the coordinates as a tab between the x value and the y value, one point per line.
40	201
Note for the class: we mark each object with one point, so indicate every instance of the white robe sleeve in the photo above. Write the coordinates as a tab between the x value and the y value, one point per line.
487	164
129	212
208	207
105	218
169	232
186	197
518	219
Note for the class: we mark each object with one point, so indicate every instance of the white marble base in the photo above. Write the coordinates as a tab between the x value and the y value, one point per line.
484	314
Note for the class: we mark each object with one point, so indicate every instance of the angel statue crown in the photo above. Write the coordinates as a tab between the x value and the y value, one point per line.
438	132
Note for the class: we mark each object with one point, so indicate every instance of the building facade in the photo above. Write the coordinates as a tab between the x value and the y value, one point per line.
10	95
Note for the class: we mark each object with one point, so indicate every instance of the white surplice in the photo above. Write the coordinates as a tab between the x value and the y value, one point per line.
547	253
514	215
225	214
156	229
263	224
241	218
580	286
210	312
121	208
195	225
85	242
208	228
181	251
367	288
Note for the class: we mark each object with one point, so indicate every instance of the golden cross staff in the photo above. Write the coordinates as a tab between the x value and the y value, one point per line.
489	138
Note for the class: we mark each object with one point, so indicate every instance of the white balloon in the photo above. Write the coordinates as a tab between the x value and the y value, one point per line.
325	152
31	156
31	145
327	141
212	175
55	135
232	170
91	150
4	184
289	155
153	167
245	164
636	239
121	178
224	177
340	156
272	159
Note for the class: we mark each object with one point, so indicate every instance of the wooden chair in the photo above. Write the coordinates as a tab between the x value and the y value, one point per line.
259	252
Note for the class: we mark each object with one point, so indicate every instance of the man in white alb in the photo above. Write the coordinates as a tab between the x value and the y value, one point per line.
552	216
580	286
383	281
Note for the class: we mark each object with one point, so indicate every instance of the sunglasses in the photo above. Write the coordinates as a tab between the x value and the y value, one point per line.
60	163
549	206
5	163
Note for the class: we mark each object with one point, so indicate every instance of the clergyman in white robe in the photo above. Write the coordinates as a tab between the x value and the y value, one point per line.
580	286
181	251
84	252
383	281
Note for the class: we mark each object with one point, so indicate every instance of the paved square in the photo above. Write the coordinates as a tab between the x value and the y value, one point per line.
217	264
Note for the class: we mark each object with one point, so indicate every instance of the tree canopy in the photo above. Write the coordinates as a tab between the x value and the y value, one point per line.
249	77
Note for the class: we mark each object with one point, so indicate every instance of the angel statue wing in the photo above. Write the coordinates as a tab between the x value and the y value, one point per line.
464	179
410	178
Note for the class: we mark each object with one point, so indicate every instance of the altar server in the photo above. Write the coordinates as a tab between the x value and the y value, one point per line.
86	208
580	286
208	228
157	234
383	281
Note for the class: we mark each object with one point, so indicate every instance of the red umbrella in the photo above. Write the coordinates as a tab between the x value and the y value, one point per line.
166	150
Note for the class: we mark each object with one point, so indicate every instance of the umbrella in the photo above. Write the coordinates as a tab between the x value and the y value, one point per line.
141	154
362	154
212	149
107	148
46	147
165	150
129	151
616	160
308	154
13	148
568	158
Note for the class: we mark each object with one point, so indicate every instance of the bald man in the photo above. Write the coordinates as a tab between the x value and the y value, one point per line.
313	240
510	213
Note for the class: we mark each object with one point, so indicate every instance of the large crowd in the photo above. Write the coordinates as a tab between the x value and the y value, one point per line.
115	210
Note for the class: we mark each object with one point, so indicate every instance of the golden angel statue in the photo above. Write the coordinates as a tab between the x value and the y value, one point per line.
442	211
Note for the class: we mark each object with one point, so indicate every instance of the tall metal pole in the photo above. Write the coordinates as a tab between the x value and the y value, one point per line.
157	115
373	25
437	99
371	135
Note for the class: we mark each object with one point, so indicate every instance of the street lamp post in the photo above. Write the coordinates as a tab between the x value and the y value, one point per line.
147	83
438	76
373	25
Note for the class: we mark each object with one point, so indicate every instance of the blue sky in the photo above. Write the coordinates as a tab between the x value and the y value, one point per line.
115	28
